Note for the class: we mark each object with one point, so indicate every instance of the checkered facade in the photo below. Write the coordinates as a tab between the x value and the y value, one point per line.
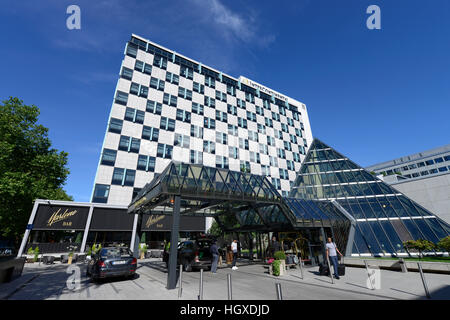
169	107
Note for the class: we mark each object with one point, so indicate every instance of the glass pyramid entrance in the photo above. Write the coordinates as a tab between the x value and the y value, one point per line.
385	218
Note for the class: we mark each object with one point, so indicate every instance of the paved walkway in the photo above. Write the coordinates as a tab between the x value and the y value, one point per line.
250	282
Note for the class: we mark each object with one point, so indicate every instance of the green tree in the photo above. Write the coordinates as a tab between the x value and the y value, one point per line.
29	167
419	245
444	244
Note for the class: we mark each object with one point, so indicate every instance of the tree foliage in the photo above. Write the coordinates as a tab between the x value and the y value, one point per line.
444	244
419	245
29	167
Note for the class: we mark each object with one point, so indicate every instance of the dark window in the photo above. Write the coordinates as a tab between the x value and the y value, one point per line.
154	107
150	133
126	73
121	98
115	125
108	157
101	193
146	163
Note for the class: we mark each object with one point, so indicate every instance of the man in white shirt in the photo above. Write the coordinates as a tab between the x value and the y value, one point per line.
234	248
332	255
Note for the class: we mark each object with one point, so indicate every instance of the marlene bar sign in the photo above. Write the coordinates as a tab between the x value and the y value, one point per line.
53	217
155	222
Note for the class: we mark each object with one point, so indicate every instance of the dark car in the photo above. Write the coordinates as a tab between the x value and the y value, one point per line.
193	254
112	262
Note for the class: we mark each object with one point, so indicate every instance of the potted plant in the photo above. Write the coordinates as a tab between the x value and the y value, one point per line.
36	254
279	265
30	252
143	250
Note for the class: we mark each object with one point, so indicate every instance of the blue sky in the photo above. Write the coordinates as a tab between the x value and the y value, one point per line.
374	95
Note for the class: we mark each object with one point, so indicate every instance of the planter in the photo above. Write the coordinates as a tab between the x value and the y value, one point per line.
142	255
282	268
69	261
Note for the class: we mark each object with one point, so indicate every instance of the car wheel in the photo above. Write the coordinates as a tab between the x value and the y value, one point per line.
187	266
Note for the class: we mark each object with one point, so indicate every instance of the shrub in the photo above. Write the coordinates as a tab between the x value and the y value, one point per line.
36	254
30	251
419	245
279	255
444	244
276	267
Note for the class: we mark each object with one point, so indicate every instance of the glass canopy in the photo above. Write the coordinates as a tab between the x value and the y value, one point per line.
385	218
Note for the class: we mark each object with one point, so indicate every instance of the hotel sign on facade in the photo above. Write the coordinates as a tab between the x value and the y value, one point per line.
262	88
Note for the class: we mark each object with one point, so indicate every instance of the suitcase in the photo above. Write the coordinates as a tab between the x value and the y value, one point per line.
324	270
341	269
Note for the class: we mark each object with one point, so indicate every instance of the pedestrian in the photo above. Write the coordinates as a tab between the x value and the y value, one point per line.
215	256
275	246
234	249
332	256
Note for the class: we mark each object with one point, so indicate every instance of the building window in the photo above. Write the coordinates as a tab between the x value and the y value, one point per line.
196	157
265	170
221	116
131	50
197	108
242	123
160	62
221	96
253	136
438	160
157	84
249	97
245	166
123	177
243	143
273	161
254	157
196	131
134	115
259	110
221	137
209	146
268	122
170	100
263	148
284	174
443	169
270	141
167	124
231	90
197	87
210	82
222	162
210	102
164	151
209	123
115	125
129	144
121	98
101	193
126	73
183	115
154	107
187	72
281	153
232	130
150	133
276	183
287	145
108	157
172	78
143	67
138	90
146	163
240	103
181	140
261	128
233	152
232	109
251	116
184	93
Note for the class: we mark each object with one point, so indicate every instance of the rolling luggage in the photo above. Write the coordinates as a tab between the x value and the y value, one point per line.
324	270
341	269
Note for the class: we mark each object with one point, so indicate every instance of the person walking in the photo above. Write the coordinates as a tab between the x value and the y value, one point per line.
234	249
275	246
332	256
215	256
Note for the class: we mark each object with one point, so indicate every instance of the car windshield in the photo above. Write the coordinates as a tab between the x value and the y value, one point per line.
114	252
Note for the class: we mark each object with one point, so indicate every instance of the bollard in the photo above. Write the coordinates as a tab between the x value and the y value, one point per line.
200	289
403	266
230	293
329	270
301	265
423	280
368	273
278	289
180	287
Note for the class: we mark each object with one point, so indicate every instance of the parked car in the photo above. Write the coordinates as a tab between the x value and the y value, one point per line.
193	254
112	262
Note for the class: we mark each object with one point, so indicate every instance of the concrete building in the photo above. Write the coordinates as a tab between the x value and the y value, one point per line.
424	177
170	107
